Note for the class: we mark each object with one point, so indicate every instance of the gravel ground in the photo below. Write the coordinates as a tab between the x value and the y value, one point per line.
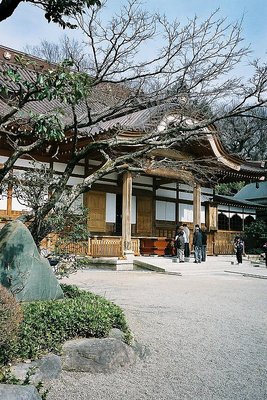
205	336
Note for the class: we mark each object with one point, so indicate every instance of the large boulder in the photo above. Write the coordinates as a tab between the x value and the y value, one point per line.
18	392
96	355
22	269
45	369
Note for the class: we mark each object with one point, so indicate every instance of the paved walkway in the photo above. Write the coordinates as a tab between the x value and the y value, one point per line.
213	265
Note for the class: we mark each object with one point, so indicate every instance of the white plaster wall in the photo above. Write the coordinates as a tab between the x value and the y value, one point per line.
16	206
186	196
202	215
169	185
165	211
185	212
74	181
147	180
182	186
110	207
3	202
30	164
113	176
205	197
171	194
133	216
59	167
3	159
93	162
78	170
207	191
231	214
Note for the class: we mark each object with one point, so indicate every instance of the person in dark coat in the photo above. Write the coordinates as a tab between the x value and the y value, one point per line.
239	248
265	251
204	244
197	242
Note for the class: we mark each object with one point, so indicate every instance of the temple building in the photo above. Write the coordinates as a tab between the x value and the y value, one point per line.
139	213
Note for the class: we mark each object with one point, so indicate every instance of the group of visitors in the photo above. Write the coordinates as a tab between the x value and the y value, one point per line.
182	247
181	241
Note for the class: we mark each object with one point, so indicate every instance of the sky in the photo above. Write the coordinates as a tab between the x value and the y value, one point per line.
27	26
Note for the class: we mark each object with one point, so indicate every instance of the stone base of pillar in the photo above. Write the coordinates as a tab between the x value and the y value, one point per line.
128	254
126	264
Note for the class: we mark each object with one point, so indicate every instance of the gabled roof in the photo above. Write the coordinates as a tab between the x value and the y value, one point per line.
253	192
232	201
131	124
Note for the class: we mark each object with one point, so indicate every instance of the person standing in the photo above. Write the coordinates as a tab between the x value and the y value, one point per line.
197	242
265	252
239	247
204	244
179	244
186	241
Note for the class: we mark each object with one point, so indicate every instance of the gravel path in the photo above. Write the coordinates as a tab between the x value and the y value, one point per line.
206	337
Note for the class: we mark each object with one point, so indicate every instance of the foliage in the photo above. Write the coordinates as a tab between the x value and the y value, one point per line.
229	189
67	221
7	377
255	235
55	10
64	264
47	324
10	318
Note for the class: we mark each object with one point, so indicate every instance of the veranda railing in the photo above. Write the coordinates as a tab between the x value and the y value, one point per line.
99	247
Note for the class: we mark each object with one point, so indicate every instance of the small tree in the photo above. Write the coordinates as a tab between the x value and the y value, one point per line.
32	190
256	236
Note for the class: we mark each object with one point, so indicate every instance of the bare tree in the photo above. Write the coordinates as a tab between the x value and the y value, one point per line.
190	66
246	135
67	49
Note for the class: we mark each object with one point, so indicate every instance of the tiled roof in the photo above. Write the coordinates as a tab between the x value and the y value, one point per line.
232	200
105	97
252	192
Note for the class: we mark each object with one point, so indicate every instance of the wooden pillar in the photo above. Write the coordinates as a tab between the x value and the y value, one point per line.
197	204
9	200
126	210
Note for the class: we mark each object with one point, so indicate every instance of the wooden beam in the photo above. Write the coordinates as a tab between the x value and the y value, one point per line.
181	175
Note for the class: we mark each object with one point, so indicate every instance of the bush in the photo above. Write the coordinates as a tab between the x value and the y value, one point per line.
10	318
255	236
47	324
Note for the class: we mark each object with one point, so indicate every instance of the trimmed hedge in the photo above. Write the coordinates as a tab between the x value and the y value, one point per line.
47	325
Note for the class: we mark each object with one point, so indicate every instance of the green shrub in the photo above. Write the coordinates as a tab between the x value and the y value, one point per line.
47	324
255	236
